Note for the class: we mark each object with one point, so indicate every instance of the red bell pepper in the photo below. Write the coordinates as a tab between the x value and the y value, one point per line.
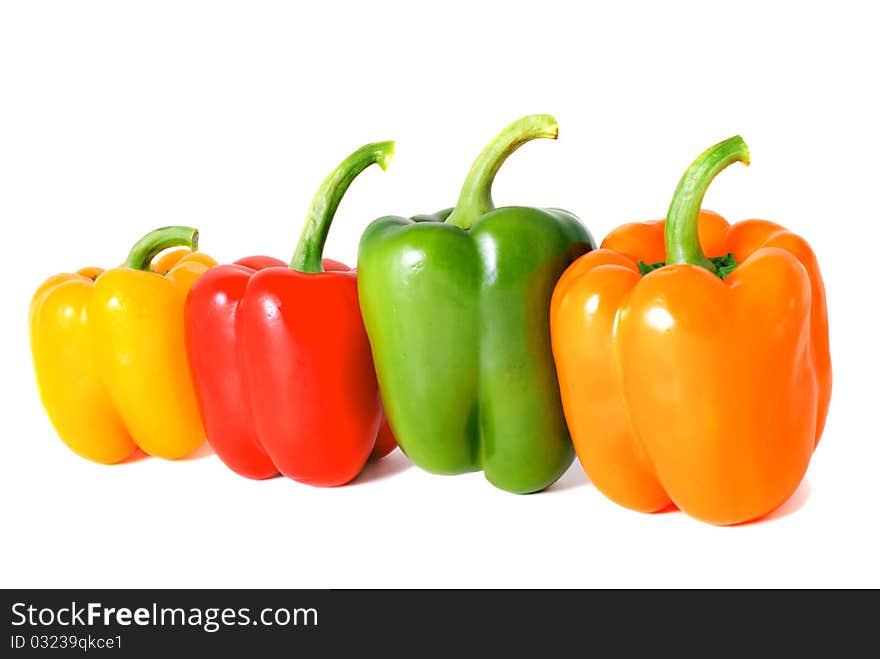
280	359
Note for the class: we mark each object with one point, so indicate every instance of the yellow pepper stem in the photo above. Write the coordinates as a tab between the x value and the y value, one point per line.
144	250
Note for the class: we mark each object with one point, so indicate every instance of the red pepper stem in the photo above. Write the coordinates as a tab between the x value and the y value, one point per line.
476	193
145	250
682	235
310	249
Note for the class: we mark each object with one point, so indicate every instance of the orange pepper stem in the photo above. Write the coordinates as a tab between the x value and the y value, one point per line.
310	249
144	250
682	237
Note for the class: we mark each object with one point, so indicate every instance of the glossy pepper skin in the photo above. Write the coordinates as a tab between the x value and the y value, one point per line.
280	358
680	386
456	306
109	355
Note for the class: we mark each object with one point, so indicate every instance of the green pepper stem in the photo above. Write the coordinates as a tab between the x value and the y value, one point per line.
144	251
310	249
476	193
682	235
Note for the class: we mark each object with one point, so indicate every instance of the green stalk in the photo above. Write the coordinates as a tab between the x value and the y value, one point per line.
310	249
144	250
476	193
682	238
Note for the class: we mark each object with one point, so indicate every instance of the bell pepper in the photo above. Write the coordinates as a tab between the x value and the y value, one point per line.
702	382
456	306
109	357
281	362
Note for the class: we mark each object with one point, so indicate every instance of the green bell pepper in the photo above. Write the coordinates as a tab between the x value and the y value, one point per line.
457	308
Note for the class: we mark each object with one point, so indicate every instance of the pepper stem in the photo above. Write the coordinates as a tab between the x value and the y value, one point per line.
310	249
476	193
682	236
144	250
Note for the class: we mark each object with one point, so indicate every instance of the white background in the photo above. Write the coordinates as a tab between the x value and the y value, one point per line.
116	118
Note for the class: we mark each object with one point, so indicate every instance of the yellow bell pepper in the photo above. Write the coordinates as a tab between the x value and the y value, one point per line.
109	352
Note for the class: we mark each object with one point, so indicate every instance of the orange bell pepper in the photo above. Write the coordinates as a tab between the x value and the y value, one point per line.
702	382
